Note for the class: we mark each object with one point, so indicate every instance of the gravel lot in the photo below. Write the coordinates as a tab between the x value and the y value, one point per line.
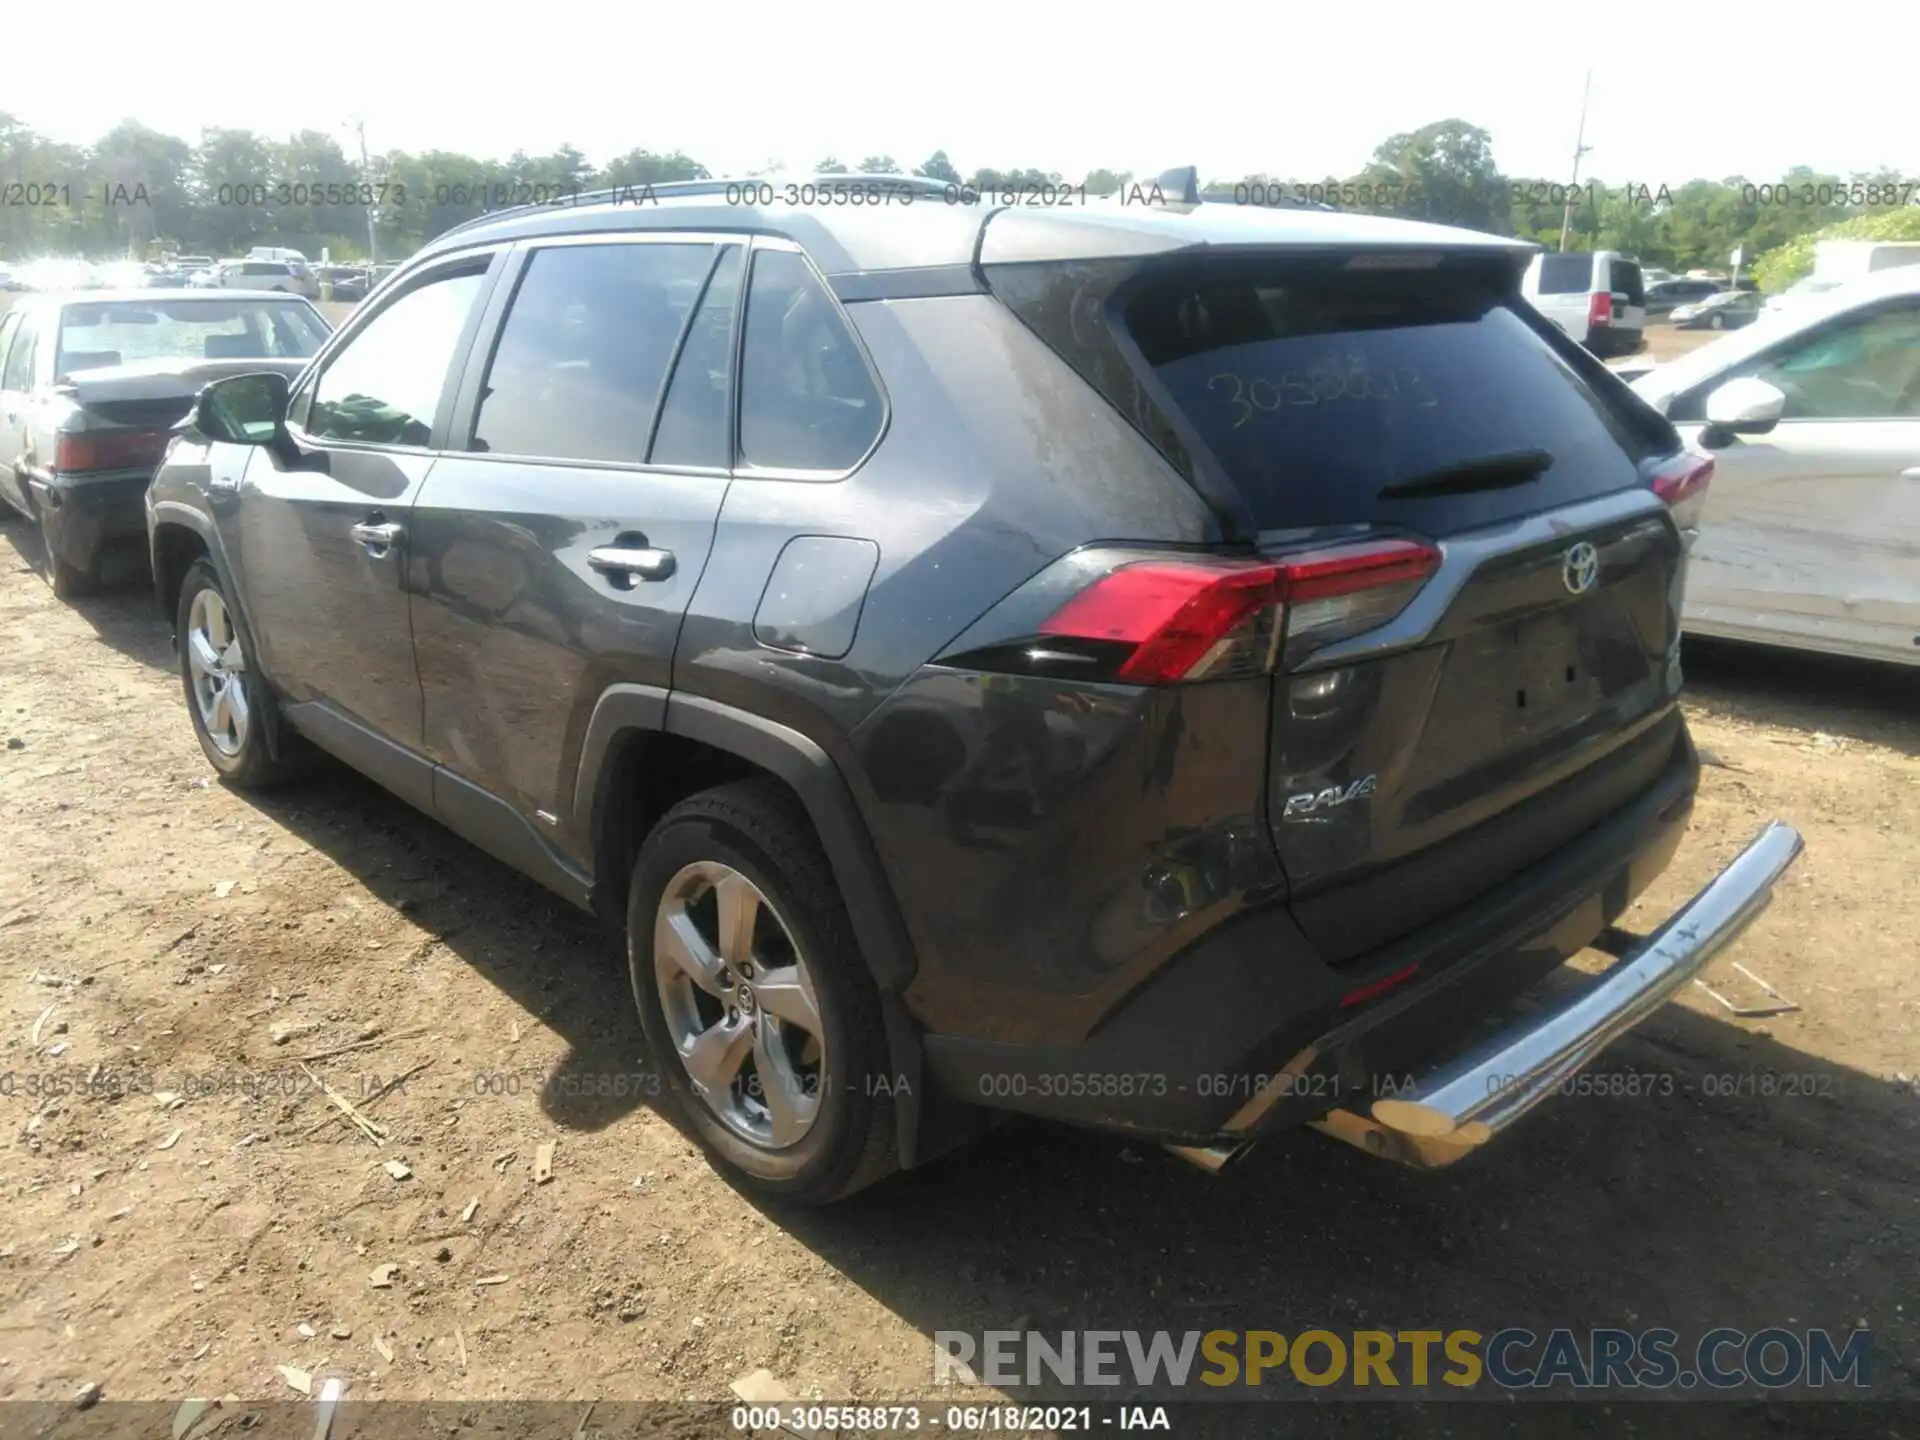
160	926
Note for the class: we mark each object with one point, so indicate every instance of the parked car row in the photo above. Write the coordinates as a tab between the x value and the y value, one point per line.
91	384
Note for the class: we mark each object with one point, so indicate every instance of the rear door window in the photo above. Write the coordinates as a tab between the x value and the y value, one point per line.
585	350
1317	388
807	399
1625	280
1566	274
19	368
696	416
8	325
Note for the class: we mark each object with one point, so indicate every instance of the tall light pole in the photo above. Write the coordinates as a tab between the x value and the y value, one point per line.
359	128
1580	148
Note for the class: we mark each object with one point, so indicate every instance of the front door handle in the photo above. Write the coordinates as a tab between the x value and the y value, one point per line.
224	485
377	537
1911	474
620	560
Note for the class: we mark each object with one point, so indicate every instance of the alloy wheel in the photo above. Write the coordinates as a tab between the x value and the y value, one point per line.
740	1005
217	667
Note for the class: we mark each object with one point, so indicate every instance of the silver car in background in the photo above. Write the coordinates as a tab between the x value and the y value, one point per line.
1810	535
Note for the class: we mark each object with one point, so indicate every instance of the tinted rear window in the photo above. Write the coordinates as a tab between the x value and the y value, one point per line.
1316	388
1625	280
1566	274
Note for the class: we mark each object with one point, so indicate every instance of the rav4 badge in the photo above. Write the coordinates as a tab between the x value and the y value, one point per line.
1310	802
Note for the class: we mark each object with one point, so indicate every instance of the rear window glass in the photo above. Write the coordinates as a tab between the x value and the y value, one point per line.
1626	281
1316	388
126	332
1566	274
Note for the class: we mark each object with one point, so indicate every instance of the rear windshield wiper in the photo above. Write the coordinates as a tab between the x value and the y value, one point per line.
1488	472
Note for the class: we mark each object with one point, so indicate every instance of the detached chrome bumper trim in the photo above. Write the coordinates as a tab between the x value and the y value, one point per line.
1461	1104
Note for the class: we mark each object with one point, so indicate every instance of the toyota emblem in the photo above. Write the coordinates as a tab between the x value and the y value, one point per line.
1580	568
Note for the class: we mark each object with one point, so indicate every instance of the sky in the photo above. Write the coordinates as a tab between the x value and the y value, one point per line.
1297	92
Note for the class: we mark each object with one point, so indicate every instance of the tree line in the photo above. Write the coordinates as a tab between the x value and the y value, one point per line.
135	192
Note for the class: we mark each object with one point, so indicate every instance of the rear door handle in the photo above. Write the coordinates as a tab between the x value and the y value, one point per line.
648	564
377	537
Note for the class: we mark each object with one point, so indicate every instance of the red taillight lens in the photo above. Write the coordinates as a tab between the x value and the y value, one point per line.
1190	620
1682	482
1181	617
1600	309
77	452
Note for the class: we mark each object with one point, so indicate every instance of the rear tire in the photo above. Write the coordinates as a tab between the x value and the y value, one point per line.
227	698
783	989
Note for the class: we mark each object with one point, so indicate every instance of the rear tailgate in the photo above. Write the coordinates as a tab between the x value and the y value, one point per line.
1524	692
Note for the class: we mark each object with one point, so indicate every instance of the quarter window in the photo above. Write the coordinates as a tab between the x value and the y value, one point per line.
385	385
585	350
807	399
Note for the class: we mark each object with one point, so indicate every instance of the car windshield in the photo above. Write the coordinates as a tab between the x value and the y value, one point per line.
126	332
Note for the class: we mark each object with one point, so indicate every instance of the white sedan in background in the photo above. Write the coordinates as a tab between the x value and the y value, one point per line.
1810	536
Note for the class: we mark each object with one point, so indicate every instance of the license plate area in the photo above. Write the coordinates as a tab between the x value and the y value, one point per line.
1548	680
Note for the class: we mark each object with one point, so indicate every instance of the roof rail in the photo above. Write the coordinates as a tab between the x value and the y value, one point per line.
640	192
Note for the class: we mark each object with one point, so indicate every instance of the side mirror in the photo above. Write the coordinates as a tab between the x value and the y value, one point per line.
244	410
1745	406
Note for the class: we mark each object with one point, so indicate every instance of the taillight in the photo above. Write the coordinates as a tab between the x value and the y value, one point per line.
1682	482
1334	594
76	452
1600	309
1166	621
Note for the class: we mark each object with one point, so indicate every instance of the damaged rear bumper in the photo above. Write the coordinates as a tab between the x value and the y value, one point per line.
1459	1104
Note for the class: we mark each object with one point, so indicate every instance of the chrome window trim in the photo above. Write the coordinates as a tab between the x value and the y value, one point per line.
715	240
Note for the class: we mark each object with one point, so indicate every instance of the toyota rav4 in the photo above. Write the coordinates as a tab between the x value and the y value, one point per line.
1167	667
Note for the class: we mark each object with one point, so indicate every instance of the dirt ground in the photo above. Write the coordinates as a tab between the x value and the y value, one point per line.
186	1210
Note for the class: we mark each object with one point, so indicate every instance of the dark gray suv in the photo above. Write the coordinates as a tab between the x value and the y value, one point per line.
1176	668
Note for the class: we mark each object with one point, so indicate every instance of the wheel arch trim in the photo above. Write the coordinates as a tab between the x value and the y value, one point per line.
781	751
805	766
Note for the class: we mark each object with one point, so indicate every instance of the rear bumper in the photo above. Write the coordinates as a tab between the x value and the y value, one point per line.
1459	1105
1249	1032
1247	1035
81	517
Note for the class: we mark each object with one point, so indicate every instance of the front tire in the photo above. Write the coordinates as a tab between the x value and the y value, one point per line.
227	699
756	1002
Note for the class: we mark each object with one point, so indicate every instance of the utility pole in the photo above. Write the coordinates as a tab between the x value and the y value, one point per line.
1580	148
359	128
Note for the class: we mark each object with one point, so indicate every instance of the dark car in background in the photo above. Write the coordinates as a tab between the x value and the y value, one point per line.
1724	310
1666	295
91	386
1182	669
